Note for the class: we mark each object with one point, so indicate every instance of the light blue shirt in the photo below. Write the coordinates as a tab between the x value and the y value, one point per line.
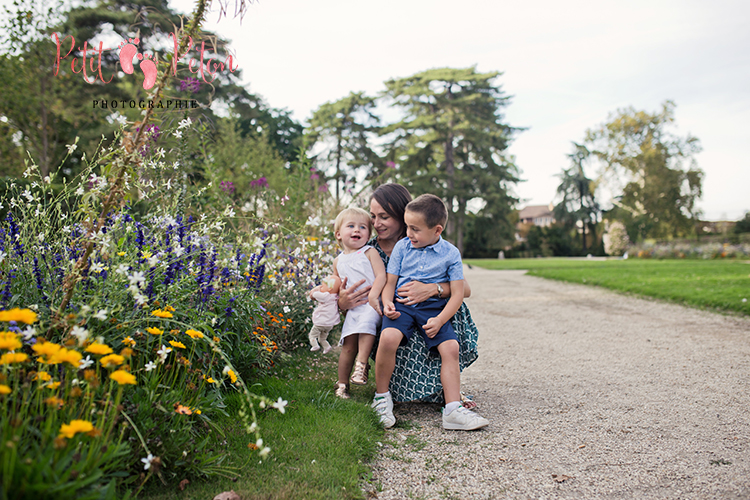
438	263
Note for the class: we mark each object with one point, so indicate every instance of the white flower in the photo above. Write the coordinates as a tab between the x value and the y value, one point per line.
264	452
27	194
163	352
71	147
80	333
29	333
184	123
137	278
97	267
313	221
229	212
121	269
79	191
225	371
177	133
280	405
152	261
150	366
101	315
147	461
287	310
253	427
85	363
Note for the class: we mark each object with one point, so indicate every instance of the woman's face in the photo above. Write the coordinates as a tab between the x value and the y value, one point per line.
387	227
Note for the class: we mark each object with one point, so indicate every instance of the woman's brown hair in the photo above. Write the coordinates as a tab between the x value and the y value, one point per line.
393	198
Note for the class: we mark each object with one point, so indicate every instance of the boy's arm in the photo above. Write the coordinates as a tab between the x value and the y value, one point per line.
378	269
451	307
388	290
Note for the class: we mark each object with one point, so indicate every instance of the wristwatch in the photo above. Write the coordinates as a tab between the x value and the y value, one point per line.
440	290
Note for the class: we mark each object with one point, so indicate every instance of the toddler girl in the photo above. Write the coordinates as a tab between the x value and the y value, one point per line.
357	261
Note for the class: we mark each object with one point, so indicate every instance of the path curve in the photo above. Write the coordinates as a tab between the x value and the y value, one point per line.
590	394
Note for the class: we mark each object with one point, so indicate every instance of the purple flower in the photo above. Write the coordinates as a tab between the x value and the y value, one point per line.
323	188
262	182
314	176
191	84
390	164
227	187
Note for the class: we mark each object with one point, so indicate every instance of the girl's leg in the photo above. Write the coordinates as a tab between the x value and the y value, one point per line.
346	358
365	347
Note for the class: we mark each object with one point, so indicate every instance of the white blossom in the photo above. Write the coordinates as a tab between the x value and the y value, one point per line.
80	333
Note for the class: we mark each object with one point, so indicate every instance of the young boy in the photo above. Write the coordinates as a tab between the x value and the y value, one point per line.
423	256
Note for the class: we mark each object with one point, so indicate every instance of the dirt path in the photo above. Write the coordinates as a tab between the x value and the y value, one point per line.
590	394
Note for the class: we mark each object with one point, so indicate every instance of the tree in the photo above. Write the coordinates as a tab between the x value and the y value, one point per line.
452	141
661	179
346	125
578	204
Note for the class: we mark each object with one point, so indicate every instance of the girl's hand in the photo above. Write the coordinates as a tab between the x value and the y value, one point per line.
351	297
375	304
415	292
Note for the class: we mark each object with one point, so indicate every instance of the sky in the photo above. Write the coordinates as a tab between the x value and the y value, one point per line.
567	65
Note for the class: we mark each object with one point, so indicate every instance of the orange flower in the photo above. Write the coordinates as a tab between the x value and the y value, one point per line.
74	427
122	377
161	314
183	410
55	402
9	341
154	331
112	360
47	349
4	389
13	357
177	344
194	334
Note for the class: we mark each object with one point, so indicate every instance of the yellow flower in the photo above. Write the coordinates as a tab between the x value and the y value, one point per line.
154	331
126	352
53	385
74	427
169	309
55	402
129	341
73	358
43	376
229	372
19	315
177	344
4	389
48	349
13	357
122	377
161	314
97	348
194	334
9	341
112	360
121	254
208	379
146	255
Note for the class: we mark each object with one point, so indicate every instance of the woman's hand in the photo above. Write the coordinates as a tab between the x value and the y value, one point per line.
351	297
415	292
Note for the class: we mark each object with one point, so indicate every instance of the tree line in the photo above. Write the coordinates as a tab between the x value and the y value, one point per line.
446	134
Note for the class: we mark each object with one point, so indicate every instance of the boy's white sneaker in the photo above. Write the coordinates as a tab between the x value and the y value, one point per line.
384	408
462	419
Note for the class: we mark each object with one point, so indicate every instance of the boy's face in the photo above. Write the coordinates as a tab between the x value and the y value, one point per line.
354	233
419	234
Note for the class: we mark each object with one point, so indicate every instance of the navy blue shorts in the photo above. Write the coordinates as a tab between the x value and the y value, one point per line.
414	317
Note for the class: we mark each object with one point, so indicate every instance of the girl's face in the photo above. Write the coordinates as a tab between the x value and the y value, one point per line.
387	227
353	233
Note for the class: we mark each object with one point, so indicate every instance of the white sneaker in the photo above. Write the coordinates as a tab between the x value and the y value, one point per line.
384	408
462	419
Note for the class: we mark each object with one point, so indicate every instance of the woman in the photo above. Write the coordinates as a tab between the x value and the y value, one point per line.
417	373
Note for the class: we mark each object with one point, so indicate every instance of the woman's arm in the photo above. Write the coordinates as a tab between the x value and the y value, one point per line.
415	292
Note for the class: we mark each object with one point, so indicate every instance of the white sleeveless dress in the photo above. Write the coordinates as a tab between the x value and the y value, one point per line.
363	318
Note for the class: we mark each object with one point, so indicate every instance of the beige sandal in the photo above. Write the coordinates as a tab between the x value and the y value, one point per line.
359	377
342	391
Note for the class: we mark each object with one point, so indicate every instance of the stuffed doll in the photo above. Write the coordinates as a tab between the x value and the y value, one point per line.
326	313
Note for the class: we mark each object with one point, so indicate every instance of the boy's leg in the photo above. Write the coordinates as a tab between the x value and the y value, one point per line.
385	359
385	362
450	372
455	416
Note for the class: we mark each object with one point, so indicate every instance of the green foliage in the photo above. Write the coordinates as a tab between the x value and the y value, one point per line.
743	225
578	205
711	284
452	143
660	191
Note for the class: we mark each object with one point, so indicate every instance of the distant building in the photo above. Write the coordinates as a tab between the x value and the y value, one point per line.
538	215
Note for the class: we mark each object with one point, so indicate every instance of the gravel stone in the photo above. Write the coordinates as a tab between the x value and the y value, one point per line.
590	394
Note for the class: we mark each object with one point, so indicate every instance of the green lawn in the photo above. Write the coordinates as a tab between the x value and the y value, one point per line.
711	284
321	446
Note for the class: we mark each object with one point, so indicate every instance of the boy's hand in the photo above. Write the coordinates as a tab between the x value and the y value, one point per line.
390	310
432	327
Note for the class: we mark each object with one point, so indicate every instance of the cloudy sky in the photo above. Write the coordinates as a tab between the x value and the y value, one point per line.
568	65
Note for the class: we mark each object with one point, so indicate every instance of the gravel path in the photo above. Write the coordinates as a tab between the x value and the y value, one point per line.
590	394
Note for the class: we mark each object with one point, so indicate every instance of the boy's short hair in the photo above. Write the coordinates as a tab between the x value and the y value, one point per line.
431	208
352	212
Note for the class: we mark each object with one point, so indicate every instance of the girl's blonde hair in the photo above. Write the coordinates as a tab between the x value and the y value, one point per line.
352	212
